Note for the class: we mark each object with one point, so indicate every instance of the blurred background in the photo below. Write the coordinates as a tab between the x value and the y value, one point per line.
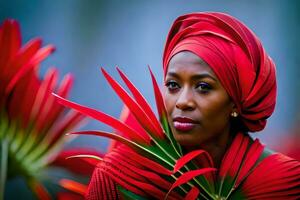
131	34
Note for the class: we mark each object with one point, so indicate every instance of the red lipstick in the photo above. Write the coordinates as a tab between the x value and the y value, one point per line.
184	124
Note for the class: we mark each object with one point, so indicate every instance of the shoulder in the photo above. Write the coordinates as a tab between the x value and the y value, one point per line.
276	176
262	174
280	164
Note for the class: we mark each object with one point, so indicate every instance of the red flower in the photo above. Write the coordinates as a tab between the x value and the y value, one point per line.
32	123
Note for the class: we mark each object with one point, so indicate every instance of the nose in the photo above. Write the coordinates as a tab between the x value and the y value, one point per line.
186	100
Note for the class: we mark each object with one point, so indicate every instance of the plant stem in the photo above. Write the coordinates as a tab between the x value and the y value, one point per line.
3	170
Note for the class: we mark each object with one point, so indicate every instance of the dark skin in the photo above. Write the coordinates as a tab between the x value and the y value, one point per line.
193	91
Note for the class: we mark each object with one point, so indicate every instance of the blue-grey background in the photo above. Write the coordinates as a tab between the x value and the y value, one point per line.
131	34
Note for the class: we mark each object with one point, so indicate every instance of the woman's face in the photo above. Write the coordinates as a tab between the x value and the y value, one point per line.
198	106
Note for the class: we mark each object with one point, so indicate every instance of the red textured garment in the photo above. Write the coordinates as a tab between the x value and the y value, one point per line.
102	187
236	56
275	177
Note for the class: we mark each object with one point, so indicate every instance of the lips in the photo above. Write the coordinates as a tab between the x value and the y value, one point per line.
184	124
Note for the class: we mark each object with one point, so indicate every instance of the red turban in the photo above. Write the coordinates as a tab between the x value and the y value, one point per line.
235	55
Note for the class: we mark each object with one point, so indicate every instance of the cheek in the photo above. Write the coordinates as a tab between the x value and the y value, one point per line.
216	109
170	102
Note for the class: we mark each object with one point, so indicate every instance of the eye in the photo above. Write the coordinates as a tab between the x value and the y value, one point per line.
172	85
203	87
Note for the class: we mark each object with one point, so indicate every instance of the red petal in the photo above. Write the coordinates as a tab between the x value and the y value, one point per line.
65	85
56	109
73	186
142	102
19	95
128	118
158	97
43	149
109	135
188	157
105	119
44	101
39	56
88	158
10	42
193	194
184	178
28	99
134	107
62	125
144	161
22	58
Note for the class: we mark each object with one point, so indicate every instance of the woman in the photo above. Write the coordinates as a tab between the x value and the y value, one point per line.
219	85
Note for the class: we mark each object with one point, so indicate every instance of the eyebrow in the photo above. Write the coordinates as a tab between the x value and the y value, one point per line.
194	77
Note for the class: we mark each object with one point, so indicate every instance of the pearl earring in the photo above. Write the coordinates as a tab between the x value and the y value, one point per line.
234	114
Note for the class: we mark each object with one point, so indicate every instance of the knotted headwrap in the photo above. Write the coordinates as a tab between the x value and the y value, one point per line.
235	55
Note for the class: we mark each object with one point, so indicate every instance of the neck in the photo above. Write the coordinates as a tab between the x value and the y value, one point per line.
216	148
216	151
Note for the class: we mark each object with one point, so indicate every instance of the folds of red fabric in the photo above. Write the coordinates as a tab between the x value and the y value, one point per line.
102	187
275	177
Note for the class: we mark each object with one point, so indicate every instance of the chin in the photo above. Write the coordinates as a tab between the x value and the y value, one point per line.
186	140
